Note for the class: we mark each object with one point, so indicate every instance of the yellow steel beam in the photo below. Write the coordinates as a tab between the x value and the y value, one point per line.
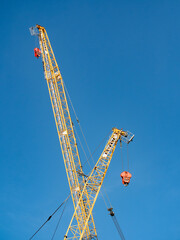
94	183
84	191
66	137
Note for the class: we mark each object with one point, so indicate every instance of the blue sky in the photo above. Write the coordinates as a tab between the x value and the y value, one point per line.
120	62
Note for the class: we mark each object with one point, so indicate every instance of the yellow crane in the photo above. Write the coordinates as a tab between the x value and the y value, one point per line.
84	189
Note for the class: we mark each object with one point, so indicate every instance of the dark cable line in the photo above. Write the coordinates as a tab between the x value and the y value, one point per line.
128	157
59	221
118	227
82	148
96	148
121	154
49	218
91	156
112	214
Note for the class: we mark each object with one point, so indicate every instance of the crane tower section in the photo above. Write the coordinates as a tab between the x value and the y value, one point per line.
65	132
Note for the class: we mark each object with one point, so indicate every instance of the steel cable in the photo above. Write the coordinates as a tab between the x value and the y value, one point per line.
112	214
49	218
59	221
118	228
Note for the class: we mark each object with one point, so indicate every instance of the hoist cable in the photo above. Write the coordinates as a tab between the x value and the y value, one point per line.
77	119
112	214
106	196
49	218
104	199
121	154
103	188
118	227
127	157
87	161
59	220
36	41
79	126
91	154
82	149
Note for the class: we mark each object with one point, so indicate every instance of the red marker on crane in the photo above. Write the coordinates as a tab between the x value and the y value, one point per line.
37	52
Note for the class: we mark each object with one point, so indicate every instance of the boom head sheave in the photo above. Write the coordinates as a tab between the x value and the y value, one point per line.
125	136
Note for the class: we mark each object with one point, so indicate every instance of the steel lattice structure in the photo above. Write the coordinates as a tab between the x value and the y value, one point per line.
84	190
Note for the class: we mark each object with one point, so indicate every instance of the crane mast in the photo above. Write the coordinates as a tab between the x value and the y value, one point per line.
84	189
65	132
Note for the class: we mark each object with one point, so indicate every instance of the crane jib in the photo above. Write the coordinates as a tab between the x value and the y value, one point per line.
84	189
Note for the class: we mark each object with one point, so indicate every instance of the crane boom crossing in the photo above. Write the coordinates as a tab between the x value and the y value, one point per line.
84	190
95	179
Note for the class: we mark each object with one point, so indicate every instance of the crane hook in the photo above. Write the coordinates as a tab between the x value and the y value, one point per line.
126	177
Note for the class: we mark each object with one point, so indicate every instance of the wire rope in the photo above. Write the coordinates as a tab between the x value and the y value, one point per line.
121	154
91	154
82	149
127	157
78	125
115	221
59	221
49	218
91	157
118	227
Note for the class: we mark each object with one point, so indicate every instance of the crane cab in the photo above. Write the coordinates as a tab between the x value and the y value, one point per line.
126	177
37	52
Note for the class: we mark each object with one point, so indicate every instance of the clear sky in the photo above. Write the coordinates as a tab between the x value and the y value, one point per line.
120	62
